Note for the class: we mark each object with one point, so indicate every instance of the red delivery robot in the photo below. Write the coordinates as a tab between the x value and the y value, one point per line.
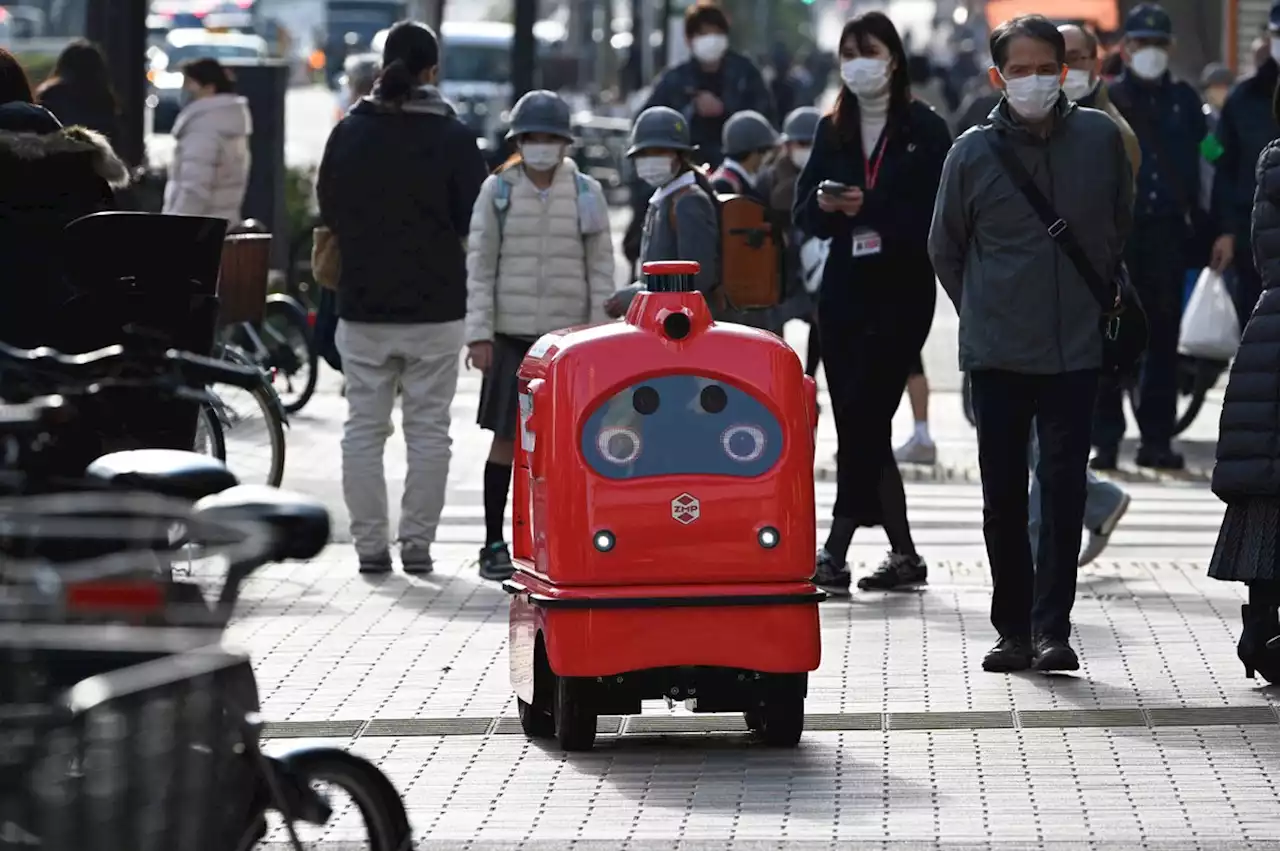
663	521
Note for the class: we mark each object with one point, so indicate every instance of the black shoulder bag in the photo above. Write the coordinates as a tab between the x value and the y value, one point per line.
1124	322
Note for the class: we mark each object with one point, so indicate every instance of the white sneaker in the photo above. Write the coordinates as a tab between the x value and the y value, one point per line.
1100	537
917	451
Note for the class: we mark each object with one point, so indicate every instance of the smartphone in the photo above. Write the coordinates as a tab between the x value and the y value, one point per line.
830	187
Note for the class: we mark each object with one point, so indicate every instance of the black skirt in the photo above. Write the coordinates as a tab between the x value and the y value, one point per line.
500	391
1248	547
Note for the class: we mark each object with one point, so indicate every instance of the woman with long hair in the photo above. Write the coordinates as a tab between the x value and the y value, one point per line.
79	90
869	187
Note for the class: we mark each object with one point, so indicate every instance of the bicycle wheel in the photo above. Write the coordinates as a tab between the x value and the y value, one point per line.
1196	377
292	356
252	425
384	824
209	437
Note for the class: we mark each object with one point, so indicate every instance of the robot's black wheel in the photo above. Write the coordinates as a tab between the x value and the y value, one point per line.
575	718
536	722
779	720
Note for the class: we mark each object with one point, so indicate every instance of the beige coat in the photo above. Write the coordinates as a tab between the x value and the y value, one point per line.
546	274
210	168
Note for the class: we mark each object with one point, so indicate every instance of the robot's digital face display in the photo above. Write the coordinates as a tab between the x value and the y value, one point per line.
681	425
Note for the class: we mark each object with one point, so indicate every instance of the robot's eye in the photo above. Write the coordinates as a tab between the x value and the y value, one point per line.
743	443
619	445
645	400
713	399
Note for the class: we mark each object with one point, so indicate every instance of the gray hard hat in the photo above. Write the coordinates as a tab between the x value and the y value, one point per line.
746	132
801	125
659	127
541	111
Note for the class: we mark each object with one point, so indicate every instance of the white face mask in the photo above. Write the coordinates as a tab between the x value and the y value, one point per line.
1150	63
710	47
1078	84
800	156
1275	48
541	156
865	77
1033	97
655	171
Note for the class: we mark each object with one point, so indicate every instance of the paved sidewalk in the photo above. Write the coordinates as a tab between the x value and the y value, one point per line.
1159	743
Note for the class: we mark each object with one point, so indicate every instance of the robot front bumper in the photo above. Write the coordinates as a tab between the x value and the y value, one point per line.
770	627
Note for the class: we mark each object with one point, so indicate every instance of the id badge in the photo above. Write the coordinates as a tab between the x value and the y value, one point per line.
865	243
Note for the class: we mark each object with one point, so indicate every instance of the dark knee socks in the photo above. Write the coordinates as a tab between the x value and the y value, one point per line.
497	482
1264	594
839	538
893	511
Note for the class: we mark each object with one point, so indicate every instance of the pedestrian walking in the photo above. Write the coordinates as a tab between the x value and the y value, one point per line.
869	187
210	170
397	186
539	258
1030	335
749	140
1246	126
79	90
680	221
51	175
1168	117
1247	474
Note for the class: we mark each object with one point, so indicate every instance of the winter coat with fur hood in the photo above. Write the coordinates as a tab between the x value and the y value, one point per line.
49	177
210	170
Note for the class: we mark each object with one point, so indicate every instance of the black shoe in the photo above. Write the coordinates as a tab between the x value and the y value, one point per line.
1160	459
1054	654
1259	647
417	562
495	563
1105	460
897	573
1009	655
375	564
829	576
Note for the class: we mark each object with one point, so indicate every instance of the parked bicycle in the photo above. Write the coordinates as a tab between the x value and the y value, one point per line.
180	759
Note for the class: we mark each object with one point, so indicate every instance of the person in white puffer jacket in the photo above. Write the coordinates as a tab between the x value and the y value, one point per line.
210	169
540	258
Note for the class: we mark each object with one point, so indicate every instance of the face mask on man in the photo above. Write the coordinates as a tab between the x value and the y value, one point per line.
709	47
1150	63
800	156
865	76
1079	84
655	171
541	156
1034	96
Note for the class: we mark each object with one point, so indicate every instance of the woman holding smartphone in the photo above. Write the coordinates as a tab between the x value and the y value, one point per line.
869	187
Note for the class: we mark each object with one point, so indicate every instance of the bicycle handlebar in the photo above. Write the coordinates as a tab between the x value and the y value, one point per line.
192	370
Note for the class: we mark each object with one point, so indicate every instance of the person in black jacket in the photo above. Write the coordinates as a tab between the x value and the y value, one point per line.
79	90
1245	127
878	291
397	184
50	176
1247	475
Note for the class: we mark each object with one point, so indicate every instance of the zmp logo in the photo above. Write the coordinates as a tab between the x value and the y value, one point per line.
685	509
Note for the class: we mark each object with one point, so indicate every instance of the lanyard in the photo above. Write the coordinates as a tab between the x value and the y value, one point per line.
873	169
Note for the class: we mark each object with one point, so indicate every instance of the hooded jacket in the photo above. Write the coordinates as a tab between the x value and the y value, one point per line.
397	186
1023	306
210	170
1249	430
49	177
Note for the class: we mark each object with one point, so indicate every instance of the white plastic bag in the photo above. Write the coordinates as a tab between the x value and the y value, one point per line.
1210	327
813	259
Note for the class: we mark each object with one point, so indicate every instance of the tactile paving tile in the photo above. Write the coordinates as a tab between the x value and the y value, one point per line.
950	721
606	725
312	729
428	727
710	723
1081	718
1212	716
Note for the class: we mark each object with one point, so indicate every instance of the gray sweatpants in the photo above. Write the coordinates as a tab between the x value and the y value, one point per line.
422	359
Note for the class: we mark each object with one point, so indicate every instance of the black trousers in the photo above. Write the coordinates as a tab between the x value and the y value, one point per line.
1027	601
1157	257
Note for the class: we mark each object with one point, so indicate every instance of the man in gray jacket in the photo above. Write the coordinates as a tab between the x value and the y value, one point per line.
1029	325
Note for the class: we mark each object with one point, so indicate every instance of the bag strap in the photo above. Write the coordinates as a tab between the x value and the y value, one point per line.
1055	226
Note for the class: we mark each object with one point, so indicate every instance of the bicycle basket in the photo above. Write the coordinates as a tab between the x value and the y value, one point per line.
120	557
242	280
142	758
